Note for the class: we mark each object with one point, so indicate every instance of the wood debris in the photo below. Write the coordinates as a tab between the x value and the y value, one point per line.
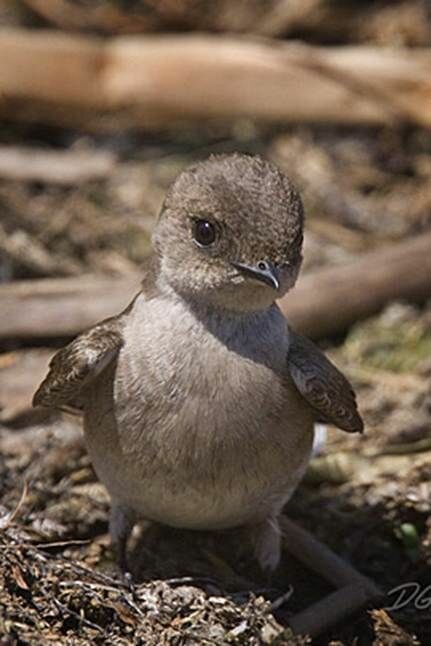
139	81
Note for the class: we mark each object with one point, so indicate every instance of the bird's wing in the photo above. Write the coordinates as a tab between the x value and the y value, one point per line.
323	385
78	363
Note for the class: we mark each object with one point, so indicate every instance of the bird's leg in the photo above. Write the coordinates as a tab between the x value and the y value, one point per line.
121	522
266	541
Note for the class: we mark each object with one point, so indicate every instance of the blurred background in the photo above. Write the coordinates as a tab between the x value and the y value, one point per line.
102	104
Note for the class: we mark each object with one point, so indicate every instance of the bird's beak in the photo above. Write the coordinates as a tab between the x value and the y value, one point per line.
264	271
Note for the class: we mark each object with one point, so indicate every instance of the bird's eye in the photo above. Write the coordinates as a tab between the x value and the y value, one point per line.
204	233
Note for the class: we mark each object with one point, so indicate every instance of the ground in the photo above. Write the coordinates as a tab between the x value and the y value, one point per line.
367	497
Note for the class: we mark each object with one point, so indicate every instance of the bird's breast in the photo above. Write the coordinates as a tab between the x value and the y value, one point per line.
210	412
186	375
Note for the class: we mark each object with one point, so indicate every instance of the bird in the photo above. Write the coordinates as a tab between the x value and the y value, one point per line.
199	400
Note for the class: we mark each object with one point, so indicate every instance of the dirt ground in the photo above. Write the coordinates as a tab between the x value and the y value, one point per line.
367	497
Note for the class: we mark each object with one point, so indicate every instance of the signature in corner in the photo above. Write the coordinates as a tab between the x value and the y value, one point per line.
411	592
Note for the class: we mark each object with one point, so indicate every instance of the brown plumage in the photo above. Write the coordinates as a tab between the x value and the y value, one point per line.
322	385
198	400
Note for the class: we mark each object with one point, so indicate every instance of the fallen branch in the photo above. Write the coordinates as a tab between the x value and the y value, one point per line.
60	307
324	303
353	589
151	81
53	166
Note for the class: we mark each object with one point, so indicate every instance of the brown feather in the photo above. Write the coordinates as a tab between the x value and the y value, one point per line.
77	364
323	385
73	367
190	416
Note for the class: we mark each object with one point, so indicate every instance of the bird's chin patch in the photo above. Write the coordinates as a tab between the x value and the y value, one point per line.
244	296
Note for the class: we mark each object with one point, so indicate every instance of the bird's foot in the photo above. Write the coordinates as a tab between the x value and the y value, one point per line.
266	541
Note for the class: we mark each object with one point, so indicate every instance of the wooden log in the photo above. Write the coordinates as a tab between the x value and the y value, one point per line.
153	81
324	303
328	301
60	307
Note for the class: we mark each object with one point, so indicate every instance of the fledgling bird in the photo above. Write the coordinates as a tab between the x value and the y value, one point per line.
199	401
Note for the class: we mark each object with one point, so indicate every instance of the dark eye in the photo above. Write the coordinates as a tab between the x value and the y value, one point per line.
204	233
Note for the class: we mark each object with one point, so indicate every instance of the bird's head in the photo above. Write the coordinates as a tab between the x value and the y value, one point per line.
230	233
